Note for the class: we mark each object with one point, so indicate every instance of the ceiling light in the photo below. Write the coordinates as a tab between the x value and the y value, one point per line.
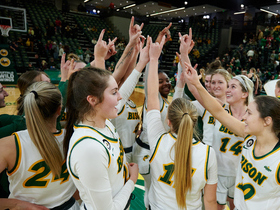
186	2
118	10
172	10
268	12
126	7
238	13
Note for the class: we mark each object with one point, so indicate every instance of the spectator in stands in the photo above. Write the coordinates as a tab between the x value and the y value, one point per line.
55	50
38	62
94	29
52	64
263	42
44	65
272	56
27	43
93	41
61	51
196	53
250	53
269	41
88	54
48	46
58	25
13	46
41	48
30	67
260	36
80	53
3	95
19	41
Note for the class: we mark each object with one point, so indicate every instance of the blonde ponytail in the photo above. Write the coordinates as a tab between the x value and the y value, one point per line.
41	102
183	116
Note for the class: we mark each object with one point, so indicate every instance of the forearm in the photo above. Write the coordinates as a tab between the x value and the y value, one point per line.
128	87
124	61
214	107
130	68
153	101
99	63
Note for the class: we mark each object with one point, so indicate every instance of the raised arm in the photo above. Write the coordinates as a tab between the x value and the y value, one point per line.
155	50
100	51
123	63
213	106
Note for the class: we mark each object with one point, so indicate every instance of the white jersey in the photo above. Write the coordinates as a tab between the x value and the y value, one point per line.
228	147
162	190
97	165
141	155
126	125
257	180
208	123
31	179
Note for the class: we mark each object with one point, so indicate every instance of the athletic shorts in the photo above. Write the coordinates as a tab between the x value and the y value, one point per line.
225	188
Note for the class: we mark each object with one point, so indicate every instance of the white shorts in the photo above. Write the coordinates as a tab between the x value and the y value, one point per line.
141	156
225	188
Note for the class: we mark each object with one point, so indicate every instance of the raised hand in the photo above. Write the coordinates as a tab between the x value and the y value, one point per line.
135	31
191	75
156	48
112	49
64	68
187	43
144	52
164	32
101	48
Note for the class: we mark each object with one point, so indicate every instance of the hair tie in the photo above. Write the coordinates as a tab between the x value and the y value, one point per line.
35	93
185	114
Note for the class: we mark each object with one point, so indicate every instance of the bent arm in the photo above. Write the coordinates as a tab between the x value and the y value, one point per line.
213	106
91	166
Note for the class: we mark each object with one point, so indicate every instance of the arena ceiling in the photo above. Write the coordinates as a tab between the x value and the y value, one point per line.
181	10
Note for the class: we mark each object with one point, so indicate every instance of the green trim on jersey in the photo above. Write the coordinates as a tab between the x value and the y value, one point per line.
207	160
155	150
107	137
264	156
277	174
77	142
18	157
88	65
121	110
204	114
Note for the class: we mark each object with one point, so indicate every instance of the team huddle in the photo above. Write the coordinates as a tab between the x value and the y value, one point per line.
93	163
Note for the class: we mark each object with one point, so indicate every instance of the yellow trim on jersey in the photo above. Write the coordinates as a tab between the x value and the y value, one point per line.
206	162
196	143
277	178
156	148
172	136
203	114
91	128
266	155
58	133
18	158
121	110
78	141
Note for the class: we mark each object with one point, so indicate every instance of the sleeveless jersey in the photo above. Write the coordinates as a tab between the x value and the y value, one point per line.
228	147
257	180
31	179
141	155
208	123
163	103
116	160
126	125
162	190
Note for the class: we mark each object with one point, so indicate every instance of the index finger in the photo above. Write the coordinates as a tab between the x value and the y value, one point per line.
101	35
114	40
131	22
168	27
62	62
190	33
141	26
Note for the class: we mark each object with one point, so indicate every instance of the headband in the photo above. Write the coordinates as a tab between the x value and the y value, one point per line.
241	80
